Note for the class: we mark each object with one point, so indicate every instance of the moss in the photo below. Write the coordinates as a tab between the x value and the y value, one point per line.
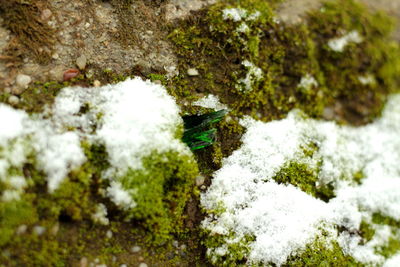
391	248
286	54
161	192
321	254
379	218
22	18
367	232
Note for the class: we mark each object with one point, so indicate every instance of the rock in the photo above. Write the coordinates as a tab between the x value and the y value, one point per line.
46	14
21	229
81	62
69	74
193	72
22	81
57	73
200	180
84	262
142	264
135	249
39	230
96	83
13	100
55	56
109	234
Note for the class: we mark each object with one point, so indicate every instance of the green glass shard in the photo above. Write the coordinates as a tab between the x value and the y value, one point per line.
196	134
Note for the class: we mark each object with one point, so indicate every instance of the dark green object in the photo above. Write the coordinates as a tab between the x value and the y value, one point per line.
197	134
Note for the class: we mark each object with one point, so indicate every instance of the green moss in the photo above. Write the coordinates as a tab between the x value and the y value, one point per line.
286	54
367	232
321	254
379	218
392	247
161	192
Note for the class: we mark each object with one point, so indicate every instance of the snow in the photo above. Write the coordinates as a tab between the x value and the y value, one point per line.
132	119
393	261
253	75
235	14
339	44
210	101
100	215
307	82
282	218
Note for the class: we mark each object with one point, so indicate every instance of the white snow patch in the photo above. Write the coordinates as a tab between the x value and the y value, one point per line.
283	219
393	261
132	119
100	216
120	196
338	44
307	82
210	101
367	79
235	14
253	75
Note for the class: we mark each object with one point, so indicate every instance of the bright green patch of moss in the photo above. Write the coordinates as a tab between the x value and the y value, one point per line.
379	218
161	192
320	253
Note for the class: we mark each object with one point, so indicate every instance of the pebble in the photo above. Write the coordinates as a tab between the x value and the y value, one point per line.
328	113
23	81
192	72
83	262
81	62
69	74
200	180
39	230
123	265
22	229
54	230
142	264
55	56
135	249
46	14
175	243
13	100
109	234
96	83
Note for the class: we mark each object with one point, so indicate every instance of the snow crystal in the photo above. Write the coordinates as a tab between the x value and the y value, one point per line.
253	75
121	197
338	44
210	101
100	216
235	14
282	218
307	82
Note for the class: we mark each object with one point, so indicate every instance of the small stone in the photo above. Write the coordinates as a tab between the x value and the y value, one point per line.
21	229
54	230
192	72
142	264
175	243
203	187
200	180
123	265
109	234
69	74
141	258
157	82
183	246
46	14
55	56
96	83
23	81
39	230
83	262
7	90
13	100
81	62
135	249
328	113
